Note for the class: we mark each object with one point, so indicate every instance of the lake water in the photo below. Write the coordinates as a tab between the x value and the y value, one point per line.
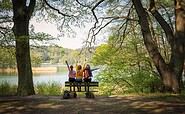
60	76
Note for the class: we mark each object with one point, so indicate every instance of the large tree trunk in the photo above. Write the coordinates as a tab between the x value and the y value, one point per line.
21	17
180	26
171	82
170	72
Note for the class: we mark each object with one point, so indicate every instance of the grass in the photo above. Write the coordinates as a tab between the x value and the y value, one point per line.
44	88
49	88
7	89
55	88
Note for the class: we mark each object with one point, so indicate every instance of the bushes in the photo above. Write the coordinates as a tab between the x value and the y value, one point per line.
49	88
144	82
7	89
129	80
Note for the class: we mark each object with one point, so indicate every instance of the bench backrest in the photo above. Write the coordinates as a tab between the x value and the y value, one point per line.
95	84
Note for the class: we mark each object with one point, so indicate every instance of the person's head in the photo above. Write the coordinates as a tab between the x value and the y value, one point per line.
79	67
71	67
87	66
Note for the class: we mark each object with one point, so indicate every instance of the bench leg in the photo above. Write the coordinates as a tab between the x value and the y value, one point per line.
73	86
85	86
88	87
79	86
70	86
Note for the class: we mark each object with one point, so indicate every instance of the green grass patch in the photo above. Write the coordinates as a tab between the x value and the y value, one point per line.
7	89
45	88
49	88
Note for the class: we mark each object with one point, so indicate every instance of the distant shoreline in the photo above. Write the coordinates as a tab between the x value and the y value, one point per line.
34	69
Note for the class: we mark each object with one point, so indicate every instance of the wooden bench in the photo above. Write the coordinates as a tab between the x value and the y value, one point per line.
86	85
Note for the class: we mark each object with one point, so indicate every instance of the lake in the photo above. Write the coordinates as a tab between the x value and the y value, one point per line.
60	76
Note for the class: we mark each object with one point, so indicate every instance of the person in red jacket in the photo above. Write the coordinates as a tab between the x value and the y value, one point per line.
88	73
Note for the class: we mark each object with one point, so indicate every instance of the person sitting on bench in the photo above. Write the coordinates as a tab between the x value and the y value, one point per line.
88	75
79	74
71	74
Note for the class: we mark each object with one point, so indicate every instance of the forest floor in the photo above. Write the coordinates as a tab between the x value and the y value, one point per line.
121	104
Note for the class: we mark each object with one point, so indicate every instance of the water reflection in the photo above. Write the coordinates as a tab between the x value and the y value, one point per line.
60	76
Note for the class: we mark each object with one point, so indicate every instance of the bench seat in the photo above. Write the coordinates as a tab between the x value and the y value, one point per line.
86	85
68	84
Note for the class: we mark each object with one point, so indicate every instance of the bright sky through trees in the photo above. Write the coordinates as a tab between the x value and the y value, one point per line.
66	42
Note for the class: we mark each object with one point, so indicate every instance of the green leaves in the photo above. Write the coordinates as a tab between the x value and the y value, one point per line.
5	5
7	57
126	67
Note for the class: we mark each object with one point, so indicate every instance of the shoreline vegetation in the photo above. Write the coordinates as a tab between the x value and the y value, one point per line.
43	69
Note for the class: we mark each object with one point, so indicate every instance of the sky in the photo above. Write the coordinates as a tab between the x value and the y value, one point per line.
66	42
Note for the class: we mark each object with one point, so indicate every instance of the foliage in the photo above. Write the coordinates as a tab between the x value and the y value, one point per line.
49	88
51	54
144	81
40	38
36	60
6	23
64	14
131	80
40	54
7	57
125	68
123	52
7	89
5	4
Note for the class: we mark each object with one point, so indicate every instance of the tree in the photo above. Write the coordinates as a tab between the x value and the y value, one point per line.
22	12
120	13
127	69
171	72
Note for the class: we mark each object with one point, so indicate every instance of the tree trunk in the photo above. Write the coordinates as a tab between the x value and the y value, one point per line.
180	27
171	82
170	73
21	17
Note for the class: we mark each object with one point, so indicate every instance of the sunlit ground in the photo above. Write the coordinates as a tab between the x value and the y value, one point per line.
100	104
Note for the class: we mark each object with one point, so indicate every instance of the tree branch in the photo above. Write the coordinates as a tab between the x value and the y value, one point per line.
82	4
167	29
127	19
4	28
96	5
65	15
120	17
169	16
31	7
150	45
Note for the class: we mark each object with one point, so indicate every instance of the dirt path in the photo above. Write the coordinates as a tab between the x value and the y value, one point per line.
132	104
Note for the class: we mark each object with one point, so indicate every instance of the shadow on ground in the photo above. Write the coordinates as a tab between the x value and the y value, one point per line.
135	104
